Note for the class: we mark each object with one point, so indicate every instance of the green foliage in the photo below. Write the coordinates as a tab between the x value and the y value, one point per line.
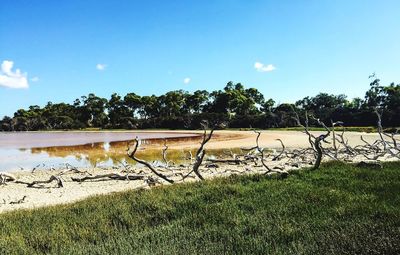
339	209
238	106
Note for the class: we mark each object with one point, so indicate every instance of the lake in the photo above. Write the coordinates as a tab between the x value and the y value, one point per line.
46	150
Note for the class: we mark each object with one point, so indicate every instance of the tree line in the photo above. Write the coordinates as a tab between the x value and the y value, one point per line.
235	105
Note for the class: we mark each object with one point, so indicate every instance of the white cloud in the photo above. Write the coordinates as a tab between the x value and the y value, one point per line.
10	79
35	79
186	80
101	67
264	68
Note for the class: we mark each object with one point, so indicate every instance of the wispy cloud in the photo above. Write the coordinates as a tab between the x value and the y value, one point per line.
35	79
101	67
186	80
260	67
10	79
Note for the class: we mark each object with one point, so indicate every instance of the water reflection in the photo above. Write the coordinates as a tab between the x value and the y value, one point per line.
93	154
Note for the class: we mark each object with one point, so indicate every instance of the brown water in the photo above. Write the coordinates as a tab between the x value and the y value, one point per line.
26	150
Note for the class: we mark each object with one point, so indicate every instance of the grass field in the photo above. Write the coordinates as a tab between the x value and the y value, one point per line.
339	209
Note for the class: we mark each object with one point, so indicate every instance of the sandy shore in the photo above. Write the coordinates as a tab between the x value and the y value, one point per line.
292	139
49	194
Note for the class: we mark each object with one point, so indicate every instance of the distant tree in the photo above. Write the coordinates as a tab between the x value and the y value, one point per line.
173	103
234	104
119	114
6	124
196	102
133	102
391	96
219	102
374	97
283	114
150	107
94	111
267	106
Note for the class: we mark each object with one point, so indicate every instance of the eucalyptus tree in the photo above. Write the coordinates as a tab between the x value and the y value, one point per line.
6	124
173	103
61	116
134	103
94	110
196	102
150	107
118	113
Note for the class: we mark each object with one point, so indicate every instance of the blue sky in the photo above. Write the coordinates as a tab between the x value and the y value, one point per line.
287	49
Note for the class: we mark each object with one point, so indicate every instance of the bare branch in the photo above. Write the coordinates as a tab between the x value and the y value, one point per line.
35	183
19	201
282	151
201	151
148	165
113	176
261	151
164	154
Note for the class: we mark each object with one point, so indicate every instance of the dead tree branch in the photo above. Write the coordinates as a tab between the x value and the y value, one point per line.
113	176
201	152
315	142
148	165
282	151
35	183
19	201
261	151
164	154
5	177
229	161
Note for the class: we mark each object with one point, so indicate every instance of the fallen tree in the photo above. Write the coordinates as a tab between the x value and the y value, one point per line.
38	184
112	176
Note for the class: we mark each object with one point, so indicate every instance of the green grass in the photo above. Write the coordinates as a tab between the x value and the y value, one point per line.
338	209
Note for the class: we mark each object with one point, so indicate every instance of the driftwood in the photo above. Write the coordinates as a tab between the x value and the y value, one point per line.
35	183
311	137
282	151
317	144
72	169
164	154
228	161
261	151
254	154
19	201
334	139
6	177
113	176
201	152
212	165
314	141
386	146
132	155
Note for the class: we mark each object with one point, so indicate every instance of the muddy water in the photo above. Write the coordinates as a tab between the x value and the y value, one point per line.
44	150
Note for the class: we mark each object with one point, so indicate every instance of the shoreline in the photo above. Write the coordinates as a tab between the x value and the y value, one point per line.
49	194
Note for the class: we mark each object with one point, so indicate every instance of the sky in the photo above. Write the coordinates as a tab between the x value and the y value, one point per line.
60	50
